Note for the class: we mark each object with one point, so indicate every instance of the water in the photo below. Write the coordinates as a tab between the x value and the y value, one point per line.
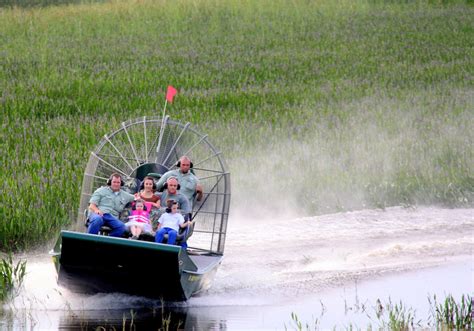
330	269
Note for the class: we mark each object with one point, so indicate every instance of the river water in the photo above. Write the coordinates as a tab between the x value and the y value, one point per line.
329	270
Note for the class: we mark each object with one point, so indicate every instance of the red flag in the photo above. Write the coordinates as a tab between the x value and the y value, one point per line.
170	93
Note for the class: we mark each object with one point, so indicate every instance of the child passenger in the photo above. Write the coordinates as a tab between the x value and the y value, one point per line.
169	223
139	221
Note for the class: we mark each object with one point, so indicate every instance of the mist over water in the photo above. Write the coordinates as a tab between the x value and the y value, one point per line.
374	152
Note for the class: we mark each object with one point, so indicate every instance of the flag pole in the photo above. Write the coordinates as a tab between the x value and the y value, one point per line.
170	93
164	109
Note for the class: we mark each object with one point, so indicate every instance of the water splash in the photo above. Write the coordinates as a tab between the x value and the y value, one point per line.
274	262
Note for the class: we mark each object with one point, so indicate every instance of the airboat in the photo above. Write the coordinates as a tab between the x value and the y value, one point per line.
88	263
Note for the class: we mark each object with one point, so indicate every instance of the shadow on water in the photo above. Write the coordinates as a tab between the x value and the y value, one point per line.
167	318
132	319
43	3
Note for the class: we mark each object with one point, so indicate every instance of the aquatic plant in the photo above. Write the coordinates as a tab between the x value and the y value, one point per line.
452	315
368	118
448	315
130	321
297	324
11	277
167	323
399	317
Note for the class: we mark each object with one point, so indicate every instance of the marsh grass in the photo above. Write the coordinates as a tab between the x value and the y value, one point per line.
452	315
299	325
11	277
397	316
42	3
400	317
348	104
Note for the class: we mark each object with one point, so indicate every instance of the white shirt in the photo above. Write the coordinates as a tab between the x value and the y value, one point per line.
172	221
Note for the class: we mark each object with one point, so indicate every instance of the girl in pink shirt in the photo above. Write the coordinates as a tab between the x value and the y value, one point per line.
139	220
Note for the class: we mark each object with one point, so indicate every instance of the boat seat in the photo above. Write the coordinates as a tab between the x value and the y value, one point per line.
181	237
104	229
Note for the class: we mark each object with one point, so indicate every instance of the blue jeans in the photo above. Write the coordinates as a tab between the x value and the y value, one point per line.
96	222
172	234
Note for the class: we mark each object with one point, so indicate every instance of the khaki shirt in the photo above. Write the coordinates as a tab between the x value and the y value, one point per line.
110	202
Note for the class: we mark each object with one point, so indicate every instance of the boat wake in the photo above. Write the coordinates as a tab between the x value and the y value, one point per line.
281	260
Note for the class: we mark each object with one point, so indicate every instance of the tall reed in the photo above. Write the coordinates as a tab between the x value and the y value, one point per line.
369	104
445	315
11	277
452	315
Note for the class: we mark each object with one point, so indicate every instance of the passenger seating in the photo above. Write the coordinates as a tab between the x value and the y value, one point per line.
132	186
105	230
181	239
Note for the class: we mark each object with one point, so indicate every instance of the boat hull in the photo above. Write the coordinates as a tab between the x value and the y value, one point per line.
100	264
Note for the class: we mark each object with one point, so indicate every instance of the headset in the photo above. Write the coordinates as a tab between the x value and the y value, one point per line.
115	174
142	185
165	186
169	204
179	164
134	205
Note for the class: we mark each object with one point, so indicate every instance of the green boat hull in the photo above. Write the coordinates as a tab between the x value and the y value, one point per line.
100	264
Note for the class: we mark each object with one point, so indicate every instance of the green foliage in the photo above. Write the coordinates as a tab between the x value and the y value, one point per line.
11	277
448	315
297	324
451	315
400	317
374	98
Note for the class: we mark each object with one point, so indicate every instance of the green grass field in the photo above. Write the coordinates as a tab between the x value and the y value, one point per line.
324	105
